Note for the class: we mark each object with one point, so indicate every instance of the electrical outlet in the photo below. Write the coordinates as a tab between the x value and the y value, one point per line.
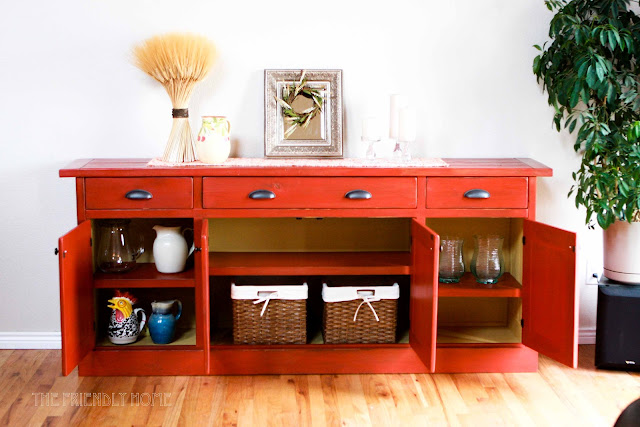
594	272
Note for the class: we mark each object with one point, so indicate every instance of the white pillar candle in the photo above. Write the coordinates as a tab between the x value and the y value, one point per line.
371	128
407	124
397	103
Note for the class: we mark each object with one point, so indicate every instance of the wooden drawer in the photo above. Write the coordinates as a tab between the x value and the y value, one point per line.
470	193
120	193
309	192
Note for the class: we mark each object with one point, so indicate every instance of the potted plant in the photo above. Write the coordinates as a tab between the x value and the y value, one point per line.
590	70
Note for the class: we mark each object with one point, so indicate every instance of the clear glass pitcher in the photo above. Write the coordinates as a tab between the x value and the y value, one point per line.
487	264
119	247
451	262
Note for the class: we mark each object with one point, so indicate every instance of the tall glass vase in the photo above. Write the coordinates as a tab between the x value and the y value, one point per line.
451	262
487	264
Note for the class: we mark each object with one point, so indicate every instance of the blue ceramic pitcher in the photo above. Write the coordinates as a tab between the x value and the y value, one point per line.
162	324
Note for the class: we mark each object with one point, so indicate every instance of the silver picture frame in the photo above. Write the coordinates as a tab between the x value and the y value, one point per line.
324	137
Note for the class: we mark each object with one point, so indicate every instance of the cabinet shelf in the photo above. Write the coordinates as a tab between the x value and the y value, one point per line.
223	338
507	287
478	335
144	276
308	263
183	337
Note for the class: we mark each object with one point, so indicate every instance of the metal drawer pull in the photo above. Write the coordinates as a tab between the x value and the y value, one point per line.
262	195
477	194
358	195
139	195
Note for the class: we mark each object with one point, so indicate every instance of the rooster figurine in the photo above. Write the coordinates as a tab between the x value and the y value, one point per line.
124	326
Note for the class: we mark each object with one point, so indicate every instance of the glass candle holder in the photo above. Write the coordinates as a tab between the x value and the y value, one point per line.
451	261
370	143
402	151
487	264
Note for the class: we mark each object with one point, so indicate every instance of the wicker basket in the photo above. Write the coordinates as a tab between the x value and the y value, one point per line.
269	314
350	314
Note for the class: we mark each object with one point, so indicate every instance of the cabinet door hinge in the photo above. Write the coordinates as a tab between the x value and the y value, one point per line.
522	322
524	240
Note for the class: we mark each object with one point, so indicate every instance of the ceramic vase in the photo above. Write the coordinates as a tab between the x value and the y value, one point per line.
170	249
622	252
162	324
214	140
126	323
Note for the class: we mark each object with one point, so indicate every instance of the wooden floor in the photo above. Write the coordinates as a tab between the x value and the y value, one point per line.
32	392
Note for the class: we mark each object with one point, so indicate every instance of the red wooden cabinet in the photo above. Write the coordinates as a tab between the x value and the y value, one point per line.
447	328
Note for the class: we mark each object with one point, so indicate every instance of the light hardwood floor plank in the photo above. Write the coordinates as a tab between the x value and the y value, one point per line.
172	415
511	402
316	401
380	402
4	355
23	406
450	398
434	410
330	394
15	379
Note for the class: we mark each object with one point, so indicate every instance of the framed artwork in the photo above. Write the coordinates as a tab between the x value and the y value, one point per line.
303	113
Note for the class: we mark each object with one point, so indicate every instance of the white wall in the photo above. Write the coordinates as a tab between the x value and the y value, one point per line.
68	90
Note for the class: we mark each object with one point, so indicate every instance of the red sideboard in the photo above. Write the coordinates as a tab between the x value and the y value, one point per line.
462	327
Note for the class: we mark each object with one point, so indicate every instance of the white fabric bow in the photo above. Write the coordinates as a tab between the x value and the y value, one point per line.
265	299
367	300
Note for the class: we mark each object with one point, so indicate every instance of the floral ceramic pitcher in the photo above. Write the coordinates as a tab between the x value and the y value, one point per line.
214	141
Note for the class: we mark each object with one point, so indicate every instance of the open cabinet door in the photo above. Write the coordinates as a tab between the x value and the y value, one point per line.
549	294
424	293
201	241
76	295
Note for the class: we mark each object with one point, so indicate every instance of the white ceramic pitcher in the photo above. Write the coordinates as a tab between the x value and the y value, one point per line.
170	249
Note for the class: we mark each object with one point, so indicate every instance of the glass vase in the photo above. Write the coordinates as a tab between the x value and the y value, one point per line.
487	264
451	261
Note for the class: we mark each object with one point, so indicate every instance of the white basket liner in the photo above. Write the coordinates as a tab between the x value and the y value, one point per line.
288	292
350	293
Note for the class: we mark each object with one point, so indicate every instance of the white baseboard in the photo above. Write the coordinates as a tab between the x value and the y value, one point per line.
30	340
587	335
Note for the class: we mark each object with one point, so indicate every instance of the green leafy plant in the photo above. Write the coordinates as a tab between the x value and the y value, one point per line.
590	72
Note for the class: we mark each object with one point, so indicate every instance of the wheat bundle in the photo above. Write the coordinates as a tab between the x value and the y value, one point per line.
178	62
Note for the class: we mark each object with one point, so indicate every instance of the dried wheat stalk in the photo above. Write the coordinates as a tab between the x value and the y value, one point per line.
178	61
